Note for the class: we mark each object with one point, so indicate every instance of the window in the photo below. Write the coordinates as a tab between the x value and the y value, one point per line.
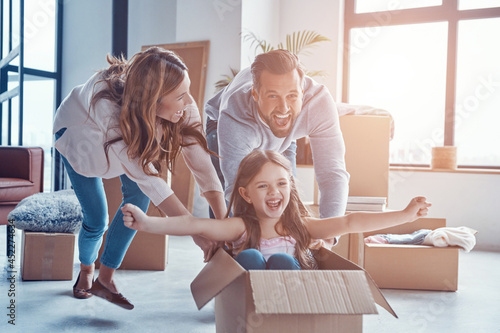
477	104
435	67
26	117
368	6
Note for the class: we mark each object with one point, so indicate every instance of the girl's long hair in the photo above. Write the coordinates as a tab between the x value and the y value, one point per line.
291	222
137	86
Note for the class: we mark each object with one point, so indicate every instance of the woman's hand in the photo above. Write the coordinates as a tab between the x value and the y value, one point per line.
209	247
418	207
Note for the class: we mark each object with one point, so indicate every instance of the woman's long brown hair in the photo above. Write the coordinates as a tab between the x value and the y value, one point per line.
137	86
291	222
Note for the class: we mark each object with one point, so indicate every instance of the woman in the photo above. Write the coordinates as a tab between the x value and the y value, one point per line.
130	120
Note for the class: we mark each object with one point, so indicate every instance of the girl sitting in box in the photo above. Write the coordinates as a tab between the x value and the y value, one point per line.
271	227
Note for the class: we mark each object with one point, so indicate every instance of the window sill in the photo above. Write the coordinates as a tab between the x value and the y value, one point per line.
428	169
459	170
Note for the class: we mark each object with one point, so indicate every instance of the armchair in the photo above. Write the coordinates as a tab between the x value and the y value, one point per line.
21	175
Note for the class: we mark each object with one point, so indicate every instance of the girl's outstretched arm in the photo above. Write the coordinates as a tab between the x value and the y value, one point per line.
366	221
229	229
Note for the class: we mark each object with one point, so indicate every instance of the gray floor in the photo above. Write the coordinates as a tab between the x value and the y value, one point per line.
163	301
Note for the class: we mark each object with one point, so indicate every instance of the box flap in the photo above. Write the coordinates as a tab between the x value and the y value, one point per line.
401	246
311	292
328	260
408	228
219	272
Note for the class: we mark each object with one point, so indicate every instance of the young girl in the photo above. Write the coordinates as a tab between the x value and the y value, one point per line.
271	227
132	120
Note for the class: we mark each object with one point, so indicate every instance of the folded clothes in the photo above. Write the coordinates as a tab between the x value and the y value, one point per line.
376	239
441	237
414	238
452	236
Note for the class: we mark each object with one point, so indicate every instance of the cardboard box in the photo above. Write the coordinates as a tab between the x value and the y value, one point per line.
333	298
367	155
412	266
147	251
417	267
47	256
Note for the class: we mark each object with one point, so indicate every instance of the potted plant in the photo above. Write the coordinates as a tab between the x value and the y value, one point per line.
299	42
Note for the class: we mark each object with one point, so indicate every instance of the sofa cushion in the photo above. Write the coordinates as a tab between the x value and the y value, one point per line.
15	189
58	211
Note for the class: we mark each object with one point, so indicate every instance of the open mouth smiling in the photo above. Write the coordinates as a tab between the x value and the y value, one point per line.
282	119
274	203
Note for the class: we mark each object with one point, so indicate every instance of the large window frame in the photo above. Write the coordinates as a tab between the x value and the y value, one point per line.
447	12
24	73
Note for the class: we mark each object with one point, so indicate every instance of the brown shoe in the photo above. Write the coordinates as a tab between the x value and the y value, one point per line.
116	298
80	293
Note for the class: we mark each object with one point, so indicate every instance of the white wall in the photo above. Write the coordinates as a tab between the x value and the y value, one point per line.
86	40
150	22
218	21
260	17
326	18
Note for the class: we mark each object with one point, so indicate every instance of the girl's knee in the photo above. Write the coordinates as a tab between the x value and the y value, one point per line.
283	261
251	259
249	254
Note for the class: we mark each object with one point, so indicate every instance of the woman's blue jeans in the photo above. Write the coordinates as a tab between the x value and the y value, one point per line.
253	259
92	198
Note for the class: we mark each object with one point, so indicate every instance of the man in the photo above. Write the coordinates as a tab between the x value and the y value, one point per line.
271	105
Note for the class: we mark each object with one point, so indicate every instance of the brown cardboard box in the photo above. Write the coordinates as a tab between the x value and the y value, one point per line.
412	266
47	256
333	298
367	161
147	251
367	154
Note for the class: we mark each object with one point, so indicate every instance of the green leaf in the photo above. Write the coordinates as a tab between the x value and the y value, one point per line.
304	40
320	73
221	84
299	43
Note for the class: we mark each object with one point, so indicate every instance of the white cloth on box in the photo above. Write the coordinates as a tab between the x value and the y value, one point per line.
452	236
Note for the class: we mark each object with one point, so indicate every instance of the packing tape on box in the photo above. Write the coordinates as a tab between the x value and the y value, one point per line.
48	249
